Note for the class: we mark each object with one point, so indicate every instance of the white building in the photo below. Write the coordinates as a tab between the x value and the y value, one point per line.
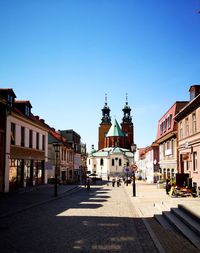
109	161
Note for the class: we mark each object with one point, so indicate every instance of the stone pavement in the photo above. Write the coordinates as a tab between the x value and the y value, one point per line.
12	203
147	202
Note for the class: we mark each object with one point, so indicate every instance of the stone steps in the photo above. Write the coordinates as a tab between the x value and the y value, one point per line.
181	219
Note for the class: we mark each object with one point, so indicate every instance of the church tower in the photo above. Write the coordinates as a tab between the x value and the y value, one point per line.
127	125
104	125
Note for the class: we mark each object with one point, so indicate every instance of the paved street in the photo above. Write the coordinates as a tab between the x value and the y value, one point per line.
100	220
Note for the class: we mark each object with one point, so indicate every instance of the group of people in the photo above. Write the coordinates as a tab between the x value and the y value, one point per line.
117	180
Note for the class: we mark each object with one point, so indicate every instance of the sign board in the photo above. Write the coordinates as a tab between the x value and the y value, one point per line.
127	169
134	167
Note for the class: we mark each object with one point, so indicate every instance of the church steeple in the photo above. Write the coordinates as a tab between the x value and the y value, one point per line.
105	124
106	119
127	112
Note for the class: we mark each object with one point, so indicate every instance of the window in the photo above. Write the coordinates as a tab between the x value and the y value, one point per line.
10	102
186	127
172	146
164	126
169	119
187	165
89	161
37	141
27	110
168	144
30	139
163	145
101	162
194	126
195	161
12	136
43	142
181	130
161	128
113	162
22	136
120	162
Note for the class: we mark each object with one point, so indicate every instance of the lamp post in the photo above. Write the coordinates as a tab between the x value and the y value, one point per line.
57	150
134	168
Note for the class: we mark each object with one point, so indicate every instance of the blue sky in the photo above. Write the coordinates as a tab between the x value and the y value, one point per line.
64	55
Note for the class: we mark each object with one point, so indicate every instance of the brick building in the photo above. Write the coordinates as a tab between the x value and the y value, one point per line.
111	135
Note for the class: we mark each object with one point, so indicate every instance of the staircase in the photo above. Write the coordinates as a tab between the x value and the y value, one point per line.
181	219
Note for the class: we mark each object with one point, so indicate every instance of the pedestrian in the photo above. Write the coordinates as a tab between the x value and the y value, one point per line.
168	185
108	178
113	182
88	183
118	182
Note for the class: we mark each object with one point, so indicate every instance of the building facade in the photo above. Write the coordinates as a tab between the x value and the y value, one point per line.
167	140
115	145
125	136
3	120
26	145
188	120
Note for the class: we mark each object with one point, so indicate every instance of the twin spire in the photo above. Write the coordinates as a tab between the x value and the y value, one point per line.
106	118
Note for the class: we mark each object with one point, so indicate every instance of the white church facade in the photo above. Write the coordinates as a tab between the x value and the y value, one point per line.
114	156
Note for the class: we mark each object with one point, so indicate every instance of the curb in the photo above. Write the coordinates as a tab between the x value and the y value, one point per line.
149	229
39	203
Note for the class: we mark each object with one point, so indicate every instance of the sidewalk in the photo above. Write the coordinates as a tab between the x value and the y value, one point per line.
151	200
149	196
11	203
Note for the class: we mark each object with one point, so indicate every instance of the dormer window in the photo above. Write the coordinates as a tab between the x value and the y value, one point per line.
10	101
27	110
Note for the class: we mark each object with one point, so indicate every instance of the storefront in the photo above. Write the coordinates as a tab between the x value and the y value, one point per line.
24	173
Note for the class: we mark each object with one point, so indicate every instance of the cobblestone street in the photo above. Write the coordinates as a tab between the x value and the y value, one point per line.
100	220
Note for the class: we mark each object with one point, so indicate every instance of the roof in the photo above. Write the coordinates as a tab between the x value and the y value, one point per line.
189	108
115	130
106	152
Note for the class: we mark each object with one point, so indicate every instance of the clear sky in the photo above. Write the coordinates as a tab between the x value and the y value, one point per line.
64	55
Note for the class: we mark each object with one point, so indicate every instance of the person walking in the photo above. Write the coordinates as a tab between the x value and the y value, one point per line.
168	185
113	182
88	183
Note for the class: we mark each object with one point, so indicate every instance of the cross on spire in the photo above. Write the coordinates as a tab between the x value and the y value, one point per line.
105	98
126	98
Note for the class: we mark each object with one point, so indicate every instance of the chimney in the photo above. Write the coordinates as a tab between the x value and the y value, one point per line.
194	91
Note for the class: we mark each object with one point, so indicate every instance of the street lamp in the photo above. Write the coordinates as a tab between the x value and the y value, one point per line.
57	150
134	167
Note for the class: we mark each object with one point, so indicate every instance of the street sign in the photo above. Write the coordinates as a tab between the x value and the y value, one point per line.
127	169
134	167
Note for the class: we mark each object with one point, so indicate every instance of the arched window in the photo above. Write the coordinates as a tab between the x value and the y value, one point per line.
113	162
101	162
